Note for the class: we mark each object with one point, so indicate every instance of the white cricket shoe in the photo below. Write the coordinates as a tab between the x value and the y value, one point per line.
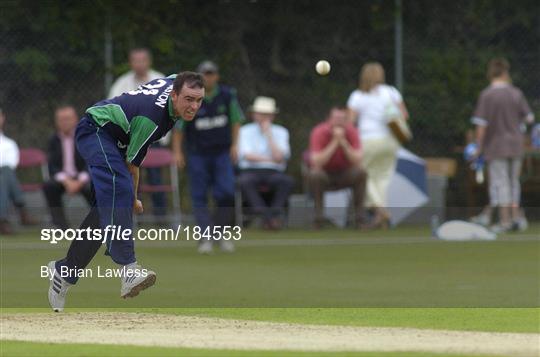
58	288
226	246
136	279
521	224
205	247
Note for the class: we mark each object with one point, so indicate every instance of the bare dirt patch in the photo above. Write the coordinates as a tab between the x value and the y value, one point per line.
214	333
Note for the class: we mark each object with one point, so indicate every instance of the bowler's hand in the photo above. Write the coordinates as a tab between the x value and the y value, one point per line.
138	207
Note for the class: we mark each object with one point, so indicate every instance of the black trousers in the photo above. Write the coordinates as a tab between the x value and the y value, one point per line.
53	191
279	183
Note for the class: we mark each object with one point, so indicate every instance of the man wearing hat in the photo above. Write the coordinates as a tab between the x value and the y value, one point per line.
210	141
263	151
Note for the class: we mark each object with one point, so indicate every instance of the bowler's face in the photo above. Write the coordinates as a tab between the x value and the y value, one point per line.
187	102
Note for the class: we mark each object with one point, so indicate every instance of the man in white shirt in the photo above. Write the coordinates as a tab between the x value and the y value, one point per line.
9	186
263	151
140	62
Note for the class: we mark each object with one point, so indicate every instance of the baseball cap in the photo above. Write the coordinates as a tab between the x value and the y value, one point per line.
207	67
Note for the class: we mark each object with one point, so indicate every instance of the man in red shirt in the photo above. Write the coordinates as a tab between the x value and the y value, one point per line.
335	162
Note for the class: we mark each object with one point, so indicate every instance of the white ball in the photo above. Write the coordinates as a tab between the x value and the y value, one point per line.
322	67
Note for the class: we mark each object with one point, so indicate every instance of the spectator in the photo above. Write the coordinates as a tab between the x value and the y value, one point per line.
500	112
211	141
368	107
9	186
336	162
66	166
263	151
140	62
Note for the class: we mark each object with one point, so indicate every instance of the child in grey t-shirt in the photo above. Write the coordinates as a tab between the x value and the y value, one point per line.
499	116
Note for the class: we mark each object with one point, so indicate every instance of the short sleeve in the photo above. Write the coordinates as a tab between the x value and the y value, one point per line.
315	142
235	112
115	90
395	95
480	113
525	112
141	131
354	101
243	142
283	142
16	155
119	87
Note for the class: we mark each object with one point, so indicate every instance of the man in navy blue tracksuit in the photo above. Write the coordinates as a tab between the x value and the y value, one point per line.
113	138
211	144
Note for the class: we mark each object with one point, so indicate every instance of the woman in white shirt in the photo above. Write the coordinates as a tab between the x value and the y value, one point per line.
370	108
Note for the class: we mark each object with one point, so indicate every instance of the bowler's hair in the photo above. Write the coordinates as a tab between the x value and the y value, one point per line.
497	67
189	79
371	75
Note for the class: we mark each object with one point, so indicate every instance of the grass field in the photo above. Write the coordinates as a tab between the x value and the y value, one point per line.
15	348
399	278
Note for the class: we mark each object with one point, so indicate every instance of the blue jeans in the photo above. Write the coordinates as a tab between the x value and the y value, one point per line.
159	200
212	171
9	191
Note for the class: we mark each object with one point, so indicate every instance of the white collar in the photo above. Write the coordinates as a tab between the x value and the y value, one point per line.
500	84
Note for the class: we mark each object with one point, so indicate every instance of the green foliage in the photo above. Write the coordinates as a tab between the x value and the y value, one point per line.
270	47
37	65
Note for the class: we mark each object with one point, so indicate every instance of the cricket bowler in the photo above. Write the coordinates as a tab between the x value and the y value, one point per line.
113	137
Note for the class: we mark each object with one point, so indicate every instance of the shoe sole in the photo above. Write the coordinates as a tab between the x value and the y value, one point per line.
145	284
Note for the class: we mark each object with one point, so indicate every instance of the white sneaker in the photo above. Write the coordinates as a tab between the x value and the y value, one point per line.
136	279
58	288
482	219
226	246
521	224
205	247
501	228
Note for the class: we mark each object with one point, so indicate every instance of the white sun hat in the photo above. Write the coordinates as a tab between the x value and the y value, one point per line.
264	105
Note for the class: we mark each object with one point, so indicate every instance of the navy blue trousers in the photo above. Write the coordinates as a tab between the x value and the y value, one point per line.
159	200
213	171
112	186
